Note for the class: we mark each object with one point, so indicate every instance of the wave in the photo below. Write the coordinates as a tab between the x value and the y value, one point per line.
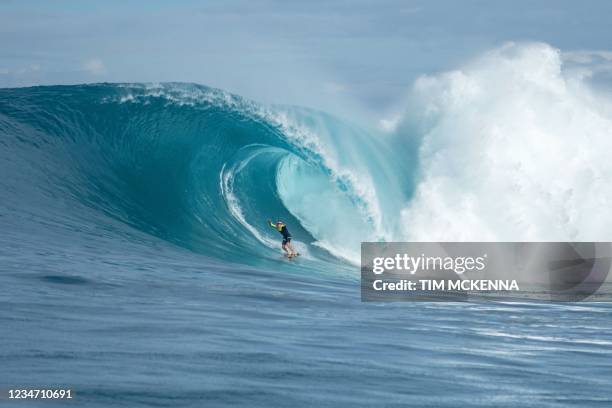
198	167
509	147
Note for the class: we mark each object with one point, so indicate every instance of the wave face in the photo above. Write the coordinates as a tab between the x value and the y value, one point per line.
197	167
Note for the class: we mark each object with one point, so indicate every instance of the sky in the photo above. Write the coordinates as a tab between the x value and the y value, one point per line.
337	56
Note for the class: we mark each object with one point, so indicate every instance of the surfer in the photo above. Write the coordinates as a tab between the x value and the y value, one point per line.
282	228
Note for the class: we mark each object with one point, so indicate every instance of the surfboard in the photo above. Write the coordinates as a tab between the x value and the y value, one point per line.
292	256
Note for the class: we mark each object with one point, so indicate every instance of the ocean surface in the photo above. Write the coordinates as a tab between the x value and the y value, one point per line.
137	269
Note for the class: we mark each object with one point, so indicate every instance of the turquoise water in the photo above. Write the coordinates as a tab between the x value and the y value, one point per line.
138	270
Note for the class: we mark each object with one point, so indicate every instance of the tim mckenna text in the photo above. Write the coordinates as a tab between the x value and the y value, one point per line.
469	285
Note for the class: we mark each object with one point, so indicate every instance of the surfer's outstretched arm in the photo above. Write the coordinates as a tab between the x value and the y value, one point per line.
271	224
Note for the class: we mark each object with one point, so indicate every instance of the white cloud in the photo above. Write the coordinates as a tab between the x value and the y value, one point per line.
586	56
24	70
94	66
588	63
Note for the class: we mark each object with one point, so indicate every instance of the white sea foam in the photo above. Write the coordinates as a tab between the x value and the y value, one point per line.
513	148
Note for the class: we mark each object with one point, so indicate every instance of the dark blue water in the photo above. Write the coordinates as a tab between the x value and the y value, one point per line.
137	270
